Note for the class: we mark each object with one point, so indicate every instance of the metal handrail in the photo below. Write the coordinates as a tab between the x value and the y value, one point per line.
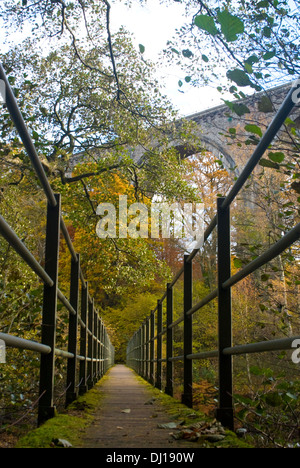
12	238
21	343
137	346
101	352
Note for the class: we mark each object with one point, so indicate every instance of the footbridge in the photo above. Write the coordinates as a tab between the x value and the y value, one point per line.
90	351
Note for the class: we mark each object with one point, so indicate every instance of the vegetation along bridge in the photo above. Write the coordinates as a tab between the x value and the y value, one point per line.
90	353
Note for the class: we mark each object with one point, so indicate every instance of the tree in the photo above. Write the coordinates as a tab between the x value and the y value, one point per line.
253	43
242	47
115	267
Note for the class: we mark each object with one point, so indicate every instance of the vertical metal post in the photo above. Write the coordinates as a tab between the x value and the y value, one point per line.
136	353
147	348
46	408
158	383
100	347
72	391
95	346
225	409
152	332
83	340
187	396
91	344
170	367
143	350
140	355
105	350
101	350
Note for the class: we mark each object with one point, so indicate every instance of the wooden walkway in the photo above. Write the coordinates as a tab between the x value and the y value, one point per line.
127	419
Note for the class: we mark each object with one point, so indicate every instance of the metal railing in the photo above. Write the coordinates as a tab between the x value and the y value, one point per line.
141	355
85	366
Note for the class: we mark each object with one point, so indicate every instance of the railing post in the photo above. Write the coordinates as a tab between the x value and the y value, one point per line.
152	332
105	350
72	391
187	396
143	350
140	355
83	340
95	346
225	409
169	351
91	343
101	350
46	408
158	383
147	347
134	352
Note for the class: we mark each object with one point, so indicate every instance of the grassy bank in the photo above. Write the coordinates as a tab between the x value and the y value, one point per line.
70	426
179	412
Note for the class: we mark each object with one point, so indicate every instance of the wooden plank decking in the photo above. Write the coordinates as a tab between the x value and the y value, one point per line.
126	419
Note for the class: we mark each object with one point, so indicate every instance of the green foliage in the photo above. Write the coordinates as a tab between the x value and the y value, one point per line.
98	99
206	23
125	319
231	25
249	42
271	416
69	425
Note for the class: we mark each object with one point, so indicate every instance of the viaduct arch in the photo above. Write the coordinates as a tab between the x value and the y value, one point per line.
213	129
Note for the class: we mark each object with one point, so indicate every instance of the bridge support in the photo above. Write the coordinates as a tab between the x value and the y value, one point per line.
72	391
187	396
83	388
90	377
159	346
170	367
225	409
152	350
46	408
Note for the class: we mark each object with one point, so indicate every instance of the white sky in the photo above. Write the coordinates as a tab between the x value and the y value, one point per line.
153	25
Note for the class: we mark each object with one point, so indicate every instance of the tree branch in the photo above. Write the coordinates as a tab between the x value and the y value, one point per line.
69	180
108	7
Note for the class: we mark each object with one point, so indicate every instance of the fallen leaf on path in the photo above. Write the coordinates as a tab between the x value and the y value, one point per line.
211	431
170	425
127	410
61	443
187	434
151	401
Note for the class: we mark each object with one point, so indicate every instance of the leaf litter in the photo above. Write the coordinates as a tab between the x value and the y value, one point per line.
210	431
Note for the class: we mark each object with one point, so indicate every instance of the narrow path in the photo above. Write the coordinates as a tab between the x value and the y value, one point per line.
137	426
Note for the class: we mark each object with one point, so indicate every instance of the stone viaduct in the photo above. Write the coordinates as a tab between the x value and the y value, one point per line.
213	127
